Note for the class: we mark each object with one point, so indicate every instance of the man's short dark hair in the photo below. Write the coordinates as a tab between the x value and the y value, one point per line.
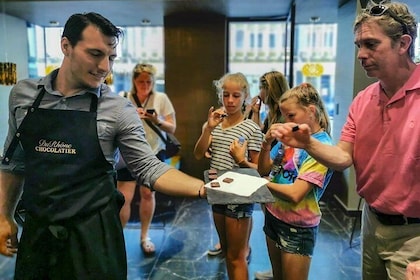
75	25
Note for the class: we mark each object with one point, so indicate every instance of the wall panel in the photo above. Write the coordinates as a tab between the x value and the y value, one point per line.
195	55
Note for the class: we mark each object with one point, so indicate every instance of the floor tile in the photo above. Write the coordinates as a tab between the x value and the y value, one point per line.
183	232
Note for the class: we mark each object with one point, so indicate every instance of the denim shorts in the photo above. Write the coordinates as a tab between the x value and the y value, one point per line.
236	211
289	238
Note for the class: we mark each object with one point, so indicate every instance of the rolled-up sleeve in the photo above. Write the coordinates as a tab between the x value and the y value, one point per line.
135	150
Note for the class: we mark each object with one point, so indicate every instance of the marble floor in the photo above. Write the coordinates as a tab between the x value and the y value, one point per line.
182	231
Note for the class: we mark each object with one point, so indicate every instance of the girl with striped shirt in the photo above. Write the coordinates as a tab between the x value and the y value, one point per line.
220	133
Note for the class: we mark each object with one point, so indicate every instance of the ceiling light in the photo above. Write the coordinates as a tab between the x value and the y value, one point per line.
314	19
145	21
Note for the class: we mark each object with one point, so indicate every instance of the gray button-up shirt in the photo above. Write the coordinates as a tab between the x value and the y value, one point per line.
118	123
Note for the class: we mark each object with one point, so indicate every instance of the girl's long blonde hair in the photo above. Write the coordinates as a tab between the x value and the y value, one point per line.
240	79
275	84
306	94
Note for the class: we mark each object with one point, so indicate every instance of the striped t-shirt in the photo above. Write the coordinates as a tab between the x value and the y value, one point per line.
223	138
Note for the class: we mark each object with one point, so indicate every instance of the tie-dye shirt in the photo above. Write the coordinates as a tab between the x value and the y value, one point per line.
297	163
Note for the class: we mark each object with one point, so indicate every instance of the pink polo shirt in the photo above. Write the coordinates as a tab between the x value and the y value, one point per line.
386	137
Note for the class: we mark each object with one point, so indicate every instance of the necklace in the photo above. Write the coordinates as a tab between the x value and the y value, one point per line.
318	130
231	121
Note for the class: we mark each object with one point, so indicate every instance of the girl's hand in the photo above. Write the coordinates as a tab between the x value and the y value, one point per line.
256	104
215	117
268	137
238	150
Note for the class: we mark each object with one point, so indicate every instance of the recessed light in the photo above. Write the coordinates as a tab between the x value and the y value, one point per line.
54	23
145	21
315	19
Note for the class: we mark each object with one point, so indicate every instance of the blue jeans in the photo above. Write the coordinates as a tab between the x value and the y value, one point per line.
236	211
289	238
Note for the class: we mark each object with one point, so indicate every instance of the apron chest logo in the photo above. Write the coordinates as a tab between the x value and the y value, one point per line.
54	147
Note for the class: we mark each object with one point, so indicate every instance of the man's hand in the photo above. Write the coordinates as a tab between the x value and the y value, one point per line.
8	237
292	134
413	271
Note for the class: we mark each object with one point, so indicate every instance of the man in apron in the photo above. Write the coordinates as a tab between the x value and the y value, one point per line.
64	131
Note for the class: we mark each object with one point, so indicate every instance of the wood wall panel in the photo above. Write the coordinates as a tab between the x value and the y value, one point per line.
195	55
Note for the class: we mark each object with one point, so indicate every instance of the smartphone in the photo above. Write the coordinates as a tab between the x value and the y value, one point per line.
150	111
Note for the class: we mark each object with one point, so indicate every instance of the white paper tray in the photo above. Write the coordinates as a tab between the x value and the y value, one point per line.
242	184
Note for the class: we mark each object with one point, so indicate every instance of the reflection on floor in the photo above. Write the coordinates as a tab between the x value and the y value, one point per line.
183	230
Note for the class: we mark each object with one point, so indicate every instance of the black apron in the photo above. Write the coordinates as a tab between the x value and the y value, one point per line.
72	228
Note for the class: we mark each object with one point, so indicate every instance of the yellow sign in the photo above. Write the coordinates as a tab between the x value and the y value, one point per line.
312	69
50	68
109	80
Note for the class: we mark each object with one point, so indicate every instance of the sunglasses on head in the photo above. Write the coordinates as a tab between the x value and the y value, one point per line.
144	68
379	10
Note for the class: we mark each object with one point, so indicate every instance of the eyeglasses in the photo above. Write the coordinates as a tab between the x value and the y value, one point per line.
379	10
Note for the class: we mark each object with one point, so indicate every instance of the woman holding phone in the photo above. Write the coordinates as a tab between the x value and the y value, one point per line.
154	108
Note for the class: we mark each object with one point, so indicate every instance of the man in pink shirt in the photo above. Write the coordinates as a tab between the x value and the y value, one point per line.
381	139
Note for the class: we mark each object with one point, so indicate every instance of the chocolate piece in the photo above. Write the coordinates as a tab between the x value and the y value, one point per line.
212	172
215	184
228	180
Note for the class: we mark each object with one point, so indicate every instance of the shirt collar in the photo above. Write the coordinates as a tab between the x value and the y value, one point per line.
47	83
414	81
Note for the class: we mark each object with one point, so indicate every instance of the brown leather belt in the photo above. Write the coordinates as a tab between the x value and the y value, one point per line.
393	220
